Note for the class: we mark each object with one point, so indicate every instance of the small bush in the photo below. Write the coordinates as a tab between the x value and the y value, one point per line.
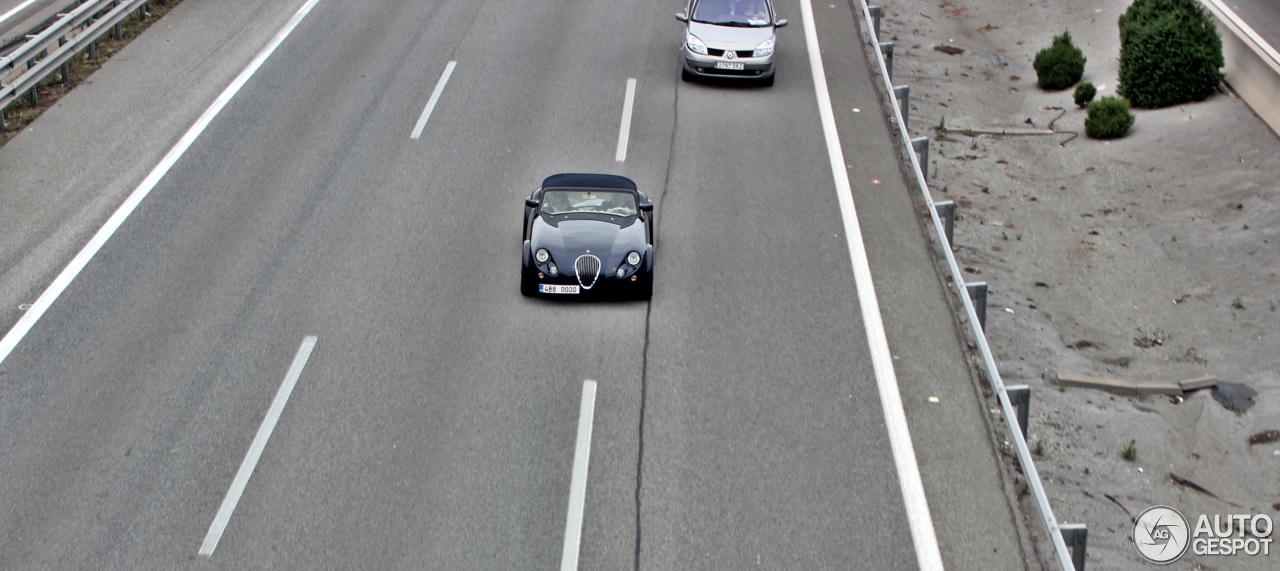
1130	451
1108	118
1170	53
1084	94
1060	65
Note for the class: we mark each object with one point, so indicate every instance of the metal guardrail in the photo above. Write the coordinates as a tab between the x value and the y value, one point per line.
51	48
1059	535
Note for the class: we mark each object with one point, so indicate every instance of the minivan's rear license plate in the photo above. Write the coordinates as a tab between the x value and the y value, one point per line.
730	65
553	288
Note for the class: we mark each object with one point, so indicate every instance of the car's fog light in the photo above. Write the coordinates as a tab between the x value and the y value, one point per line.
553	269
621	272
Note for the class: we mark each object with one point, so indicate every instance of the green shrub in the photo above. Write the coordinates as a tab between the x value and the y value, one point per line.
1108	118
1084	93
1170	53
1060	65
1130	451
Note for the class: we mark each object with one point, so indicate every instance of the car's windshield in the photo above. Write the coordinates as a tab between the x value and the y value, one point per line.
732	12
589	202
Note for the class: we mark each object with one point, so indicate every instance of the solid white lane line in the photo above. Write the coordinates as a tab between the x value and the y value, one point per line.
431	103
255	448
624	132
578	484
64	279
904	456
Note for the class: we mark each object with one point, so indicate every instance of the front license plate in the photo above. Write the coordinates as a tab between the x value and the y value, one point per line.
553	288
730	65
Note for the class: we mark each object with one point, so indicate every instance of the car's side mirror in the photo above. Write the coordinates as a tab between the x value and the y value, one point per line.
780	23
682	17
646	207
531	202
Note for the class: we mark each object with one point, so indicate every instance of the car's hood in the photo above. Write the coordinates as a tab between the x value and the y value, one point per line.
729	37
572	238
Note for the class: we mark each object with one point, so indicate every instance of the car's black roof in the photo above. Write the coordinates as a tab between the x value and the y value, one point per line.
588	180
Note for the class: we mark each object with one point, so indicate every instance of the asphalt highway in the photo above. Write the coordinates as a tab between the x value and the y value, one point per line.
434	426
736	420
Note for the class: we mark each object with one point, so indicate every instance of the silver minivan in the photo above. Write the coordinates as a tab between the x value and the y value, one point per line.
729	38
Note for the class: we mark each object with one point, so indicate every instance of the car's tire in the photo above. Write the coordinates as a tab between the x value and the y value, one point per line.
768	81
645	291
527	287
685	75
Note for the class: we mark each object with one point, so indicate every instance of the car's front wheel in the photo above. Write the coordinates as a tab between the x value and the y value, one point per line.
527	286
645	290
685	75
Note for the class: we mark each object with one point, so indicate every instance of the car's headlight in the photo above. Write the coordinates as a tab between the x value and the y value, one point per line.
633	258
542	255
764	49
695	45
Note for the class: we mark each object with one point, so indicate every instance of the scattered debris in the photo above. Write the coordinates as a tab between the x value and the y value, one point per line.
1116	501
1191	485
1196	487
1082	344
1198	383
949	50
1235	397
1264	437
1147	340
1127	387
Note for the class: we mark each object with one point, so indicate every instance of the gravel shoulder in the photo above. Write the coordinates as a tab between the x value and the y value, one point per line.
1149	258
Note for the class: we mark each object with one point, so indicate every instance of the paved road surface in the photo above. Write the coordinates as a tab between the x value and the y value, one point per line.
737	421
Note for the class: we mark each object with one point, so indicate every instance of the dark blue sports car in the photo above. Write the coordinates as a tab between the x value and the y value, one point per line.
588	235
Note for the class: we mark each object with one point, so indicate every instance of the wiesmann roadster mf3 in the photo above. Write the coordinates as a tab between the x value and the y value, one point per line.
588	235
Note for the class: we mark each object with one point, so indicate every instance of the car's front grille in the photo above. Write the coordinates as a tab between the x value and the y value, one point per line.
588	269
740	53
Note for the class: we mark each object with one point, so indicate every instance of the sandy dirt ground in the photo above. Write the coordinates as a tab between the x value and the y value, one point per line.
1149	258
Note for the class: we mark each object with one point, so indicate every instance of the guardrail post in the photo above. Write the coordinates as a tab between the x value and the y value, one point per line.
93	50
903	94
1076	536
886	49
117	31
921	146
946	210
875	20
1020	398
64	69
142	11
978	293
